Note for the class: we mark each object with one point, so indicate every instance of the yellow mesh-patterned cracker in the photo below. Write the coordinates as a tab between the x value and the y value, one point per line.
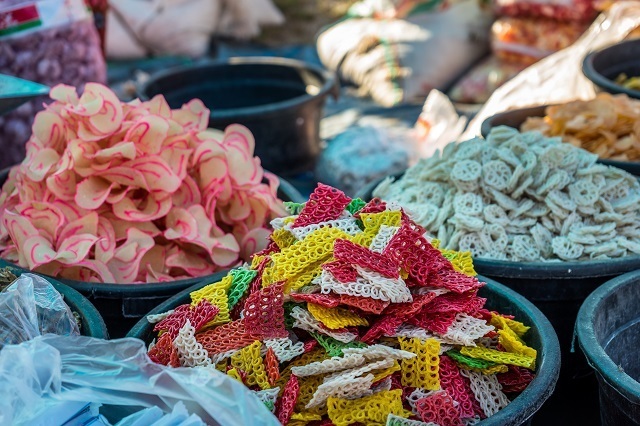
289	219
461	261
217	295
370	410
501	322
335	318
512	343
283	238
303	278
498	357
423	370
309	386
317	246
270	275
256	260
234	373
385	372
306	417
435	243
222	366
372	223
249	360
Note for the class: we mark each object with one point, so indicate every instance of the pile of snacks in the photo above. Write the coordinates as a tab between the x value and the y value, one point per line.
133	192
522	197
563	10
608	125
351	316
632	83
526	40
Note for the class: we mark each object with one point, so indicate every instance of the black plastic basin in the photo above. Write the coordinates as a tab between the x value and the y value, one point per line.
603	66
541	337
280	100
608	330
558	289
515	118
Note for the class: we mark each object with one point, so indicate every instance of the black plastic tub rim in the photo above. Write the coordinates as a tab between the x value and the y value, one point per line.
596	356
519	410
547	372
286	192
552	269
328	81
602	81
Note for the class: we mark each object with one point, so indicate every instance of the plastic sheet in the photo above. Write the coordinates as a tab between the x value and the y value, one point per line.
31	307
47	370
361	155
478	85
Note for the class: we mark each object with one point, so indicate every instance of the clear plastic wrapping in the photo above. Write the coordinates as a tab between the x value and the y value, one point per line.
49	42
31	307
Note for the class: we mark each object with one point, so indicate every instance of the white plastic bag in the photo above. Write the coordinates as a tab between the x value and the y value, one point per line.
31	307
48	370
398	60
139	28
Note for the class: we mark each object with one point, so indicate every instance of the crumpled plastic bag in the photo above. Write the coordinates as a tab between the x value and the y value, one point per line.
555	79
31	307
40	373
399	60
140	28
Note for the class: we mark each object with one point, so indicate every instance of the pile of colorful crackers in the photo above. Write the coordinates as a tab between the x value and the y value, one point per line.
353	316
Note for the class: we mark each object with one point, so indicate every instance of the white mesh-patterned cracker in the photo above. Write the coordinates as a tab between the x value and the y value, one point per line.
344	387
465	329
487	391
382	238
348	225
216	358
190	352
305	321
368	284
279	222
155	318
284	348
468	203
268	396
379	351
359	371
330	365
